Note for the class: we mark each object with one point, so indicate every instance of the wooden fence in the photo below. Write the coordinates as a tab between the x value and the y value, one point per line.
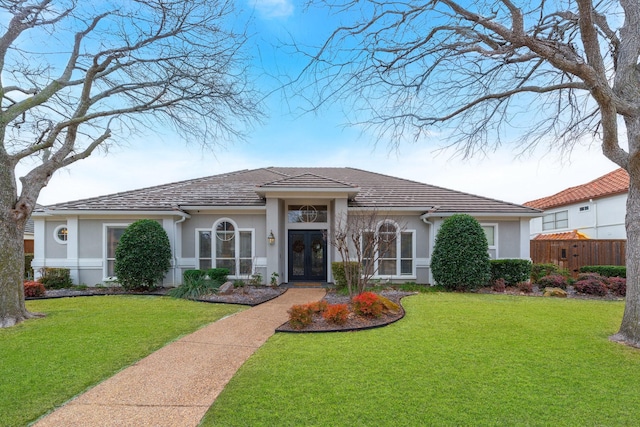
573	254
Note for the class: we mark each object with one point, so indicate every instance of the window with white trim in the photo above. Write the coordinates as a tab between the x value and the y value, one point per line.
60	234
556	220
395	254
113	233
490	234
226	246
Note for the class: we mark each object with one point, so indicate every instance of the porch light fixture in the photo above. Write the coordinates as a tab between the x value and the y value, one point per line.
271	238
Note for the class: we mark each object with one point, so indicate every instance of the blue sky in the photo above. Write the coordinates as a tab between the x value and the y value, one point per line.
289	138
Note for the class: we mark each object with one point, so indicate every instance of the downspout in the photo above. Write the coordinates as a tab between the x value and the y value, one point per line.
175	248
425	218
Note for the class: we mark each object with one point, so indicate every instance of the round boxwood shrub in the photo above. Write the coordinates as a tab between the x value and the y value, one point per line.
143	255
460	258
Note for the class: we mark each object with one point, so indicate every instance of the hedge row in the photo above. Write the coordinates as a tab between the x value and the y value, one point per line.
606	270
512	271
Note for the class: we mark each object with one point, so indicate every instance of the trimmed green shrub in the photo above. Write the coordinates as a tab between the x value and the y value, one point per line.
460	258
55	278
218	274
513	271
193	275
143	255
606	270
339	275
28	270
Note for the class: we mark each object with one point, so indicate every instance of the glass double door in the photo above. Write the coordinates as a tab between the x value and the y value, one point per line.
307	255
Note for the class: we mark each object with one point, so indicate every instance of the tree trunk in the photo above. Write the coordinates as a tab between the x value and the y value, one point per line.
12	308
629	332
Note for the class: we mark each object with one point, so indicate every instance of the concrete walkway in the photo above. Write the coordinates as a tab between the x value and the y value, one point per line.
176	385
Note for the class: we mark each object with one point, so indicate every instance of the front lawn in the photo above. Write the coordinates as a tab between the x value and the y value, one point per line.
455	359
45	362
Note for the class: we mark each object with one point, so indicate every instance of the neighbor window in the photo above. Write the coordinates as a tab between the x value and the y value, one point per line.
395	250
113	235
556	220
226	247
60	234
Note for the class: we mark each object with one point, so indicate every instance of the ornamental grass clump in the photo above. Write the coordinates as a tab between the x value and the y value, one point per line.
367	304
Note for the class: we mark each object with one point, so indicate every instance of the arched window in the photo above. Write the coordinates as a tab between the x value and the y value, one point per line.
226	246
391	250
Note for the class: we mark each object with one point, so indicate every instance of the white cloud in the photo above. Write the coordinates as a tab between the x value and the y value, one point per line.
273	8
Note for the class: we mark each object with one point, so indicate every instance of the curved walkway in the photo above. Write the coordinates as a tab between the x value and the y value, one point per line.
176	385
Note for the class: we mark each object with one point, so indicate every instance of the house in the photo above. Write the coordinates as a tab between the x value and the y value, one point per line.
272	220
595	210
582	225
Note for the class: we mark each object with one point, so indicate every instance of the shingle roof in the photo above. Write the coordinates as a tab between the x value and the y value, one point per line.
615	182
241	189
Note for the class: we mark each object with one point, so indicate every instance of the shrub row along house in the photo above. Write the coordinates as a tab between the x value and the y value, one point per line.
273	220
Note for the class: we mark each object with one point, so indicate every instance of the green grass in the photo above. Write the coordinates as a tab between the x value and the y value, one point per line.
44	362
455	359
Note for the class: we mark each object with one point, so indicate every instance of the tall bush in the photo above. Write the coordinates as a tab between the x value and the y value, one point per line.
461	254
143	255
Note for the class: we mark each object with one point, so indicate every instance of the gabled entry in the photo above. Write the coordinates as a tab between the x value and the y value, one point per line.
307	255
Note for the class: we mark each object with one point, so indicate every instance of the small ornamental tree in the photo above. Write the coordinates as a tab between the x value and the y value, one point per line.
460	258
143	255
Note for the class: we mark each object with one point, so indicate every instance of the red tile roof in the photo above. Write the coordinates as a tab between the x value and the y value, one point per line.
569	235
616	182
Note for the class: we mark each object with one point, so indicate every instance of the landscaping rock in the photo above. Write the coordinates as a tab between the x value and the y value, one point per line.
226	288
555	292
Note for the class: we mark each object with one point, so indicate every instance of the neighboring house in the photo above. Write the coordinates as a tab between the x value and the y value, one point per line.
28	237
272	220
595	210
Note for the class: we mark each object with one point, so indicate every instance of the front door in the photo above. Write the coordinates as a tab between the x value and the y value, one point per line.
307	255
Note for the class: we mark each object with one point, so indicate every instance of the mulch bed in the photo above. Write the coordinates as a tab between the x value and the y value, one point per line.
354	323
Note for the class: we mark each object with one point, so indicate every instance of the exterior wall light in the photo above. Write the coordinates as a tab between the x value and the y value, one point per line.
271	238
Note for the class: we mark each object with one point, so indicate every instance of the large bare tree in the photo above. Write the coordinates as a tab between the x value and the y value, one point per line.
78	75
478	71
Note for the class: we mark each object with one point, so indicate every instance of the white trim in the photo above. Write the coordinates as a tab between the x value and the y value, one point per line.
105	227
495	236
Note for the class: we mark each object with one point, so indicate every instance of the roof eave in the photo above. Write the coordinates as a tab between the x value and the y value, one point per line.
439	214
102	212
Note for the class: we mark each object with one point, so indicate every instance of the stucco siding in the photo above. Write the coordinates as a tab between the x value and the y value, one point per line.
54	249
509	239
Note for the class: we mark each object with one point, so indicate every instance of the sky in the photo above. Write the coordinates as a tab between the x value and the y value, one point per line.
289	138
